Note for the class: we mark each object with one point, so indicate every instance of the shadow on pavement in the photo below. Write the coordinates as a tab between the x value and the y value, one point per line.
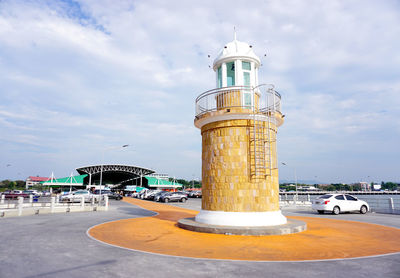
54	273
136	211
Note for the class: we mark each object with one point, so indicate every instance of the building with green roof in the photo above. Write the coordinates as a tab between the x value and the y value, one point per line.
67	182
154	182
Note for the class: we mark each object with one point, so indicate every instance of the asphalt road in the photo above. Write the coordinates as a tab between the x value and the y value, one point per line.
56	245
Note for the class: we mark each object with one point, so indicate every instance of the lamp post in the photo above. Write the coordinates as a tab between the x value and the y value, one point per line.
295	177
101	168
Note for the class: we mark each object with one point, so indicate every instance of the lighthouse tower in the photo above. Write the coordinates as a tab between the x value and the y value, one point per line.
238	122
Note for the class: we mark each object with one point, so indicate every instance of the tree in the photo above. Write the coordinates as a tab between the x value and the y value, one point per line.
389	185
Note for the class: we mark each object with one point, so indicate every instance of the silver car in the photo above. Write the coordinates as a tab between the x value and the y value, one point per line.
174	197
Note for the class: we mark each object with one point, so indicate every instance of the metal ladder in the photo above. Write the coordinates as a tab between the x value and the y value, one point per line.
260	143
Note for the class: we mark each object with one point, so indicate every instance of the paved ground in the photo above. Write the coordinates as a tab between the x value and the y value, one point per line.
57	246
324	238
376	218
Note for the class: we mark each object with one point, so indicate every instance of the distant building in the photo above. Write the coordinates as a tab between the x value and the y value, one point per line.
376	186
159	176
365	186
307	188
154	181
67	183
31	181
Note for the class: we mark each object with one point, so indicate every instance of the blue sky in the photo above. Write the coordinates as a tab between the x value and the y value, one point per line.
79	77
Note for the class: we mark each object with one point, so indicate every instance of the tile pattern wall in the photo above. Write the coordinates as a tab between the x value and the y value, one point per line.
226	170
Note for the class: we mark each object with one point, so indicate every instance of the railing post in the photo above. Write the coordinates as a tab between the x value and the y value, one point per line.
273	99
105	202
57	198
52	204
308	198
82	202
2	199
20	205
31	199
391	205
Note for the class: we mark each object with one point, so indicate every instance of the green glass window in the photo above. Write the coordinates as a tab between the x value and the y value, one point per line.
246	78
246	66
230	74
219	77
247	100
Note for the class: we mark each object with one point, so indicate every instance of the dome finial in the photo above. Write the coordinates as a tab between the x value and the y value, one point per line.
234	33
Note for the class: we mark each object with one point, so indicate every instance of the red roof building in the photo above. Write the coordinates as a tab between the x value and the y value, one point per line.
31	181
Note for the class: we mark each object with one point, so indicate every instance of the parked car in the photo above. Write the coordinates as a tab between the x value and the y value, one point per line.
337	203
130	194
150	194
34	193
76	196
158	195
147	194
5	192
142	193
15	194
110	194
46	193
174	197
195	194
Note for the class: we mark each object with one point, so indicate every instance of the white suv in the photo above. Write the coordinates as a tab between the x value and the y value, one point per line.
337	203
77	196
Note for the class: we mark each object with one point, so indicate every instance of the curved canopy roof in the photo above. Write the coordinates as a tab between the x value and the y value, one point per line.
113	173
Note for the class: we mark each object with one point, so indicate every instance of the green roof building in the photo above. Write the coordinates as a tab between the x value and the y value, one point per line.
159	183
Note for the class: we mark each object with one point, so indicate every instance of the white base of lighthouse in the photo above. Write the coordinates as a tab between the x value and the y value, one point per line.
241	219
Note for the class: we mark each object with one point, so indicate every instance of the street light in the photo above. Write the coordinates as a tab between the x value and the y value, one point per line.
101	168
295	177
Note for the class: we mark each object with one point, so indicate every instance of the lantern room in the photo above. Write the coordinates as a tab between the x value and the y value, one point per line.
236	65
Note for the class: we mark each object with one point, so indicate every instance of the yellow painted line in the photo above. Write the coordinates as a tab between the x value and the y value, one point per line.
324	239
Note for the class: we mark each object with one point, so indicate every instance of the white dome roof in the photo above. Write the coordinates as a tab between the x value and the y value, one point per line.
236	50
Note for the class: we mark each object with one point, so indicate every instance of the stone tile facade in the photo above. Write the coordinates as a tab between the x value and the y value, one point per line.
229	183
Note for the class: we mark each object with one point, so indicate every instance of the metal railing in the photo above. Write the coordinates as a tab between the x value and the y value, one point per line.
28	206
261	99
377	203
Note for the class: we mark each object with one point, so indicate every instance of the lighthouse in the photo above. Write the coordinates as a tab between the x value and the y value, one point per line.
238	122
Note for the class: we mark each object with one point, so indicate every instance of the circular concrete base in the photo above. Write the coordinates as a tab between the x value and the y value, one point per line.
292	226
242	219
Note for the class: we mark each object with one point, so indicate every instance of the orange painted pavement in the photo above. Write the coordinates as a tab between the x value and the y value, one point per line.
324	238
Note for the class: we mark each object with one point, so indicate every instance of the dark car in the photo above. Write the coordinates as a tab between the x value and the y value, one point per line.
151	194
158	195
110	194
15	194
34	193
174	197
195	194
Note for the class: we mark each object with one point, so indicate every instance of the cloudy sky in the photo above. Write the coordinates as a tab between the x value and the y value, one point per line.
78	78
